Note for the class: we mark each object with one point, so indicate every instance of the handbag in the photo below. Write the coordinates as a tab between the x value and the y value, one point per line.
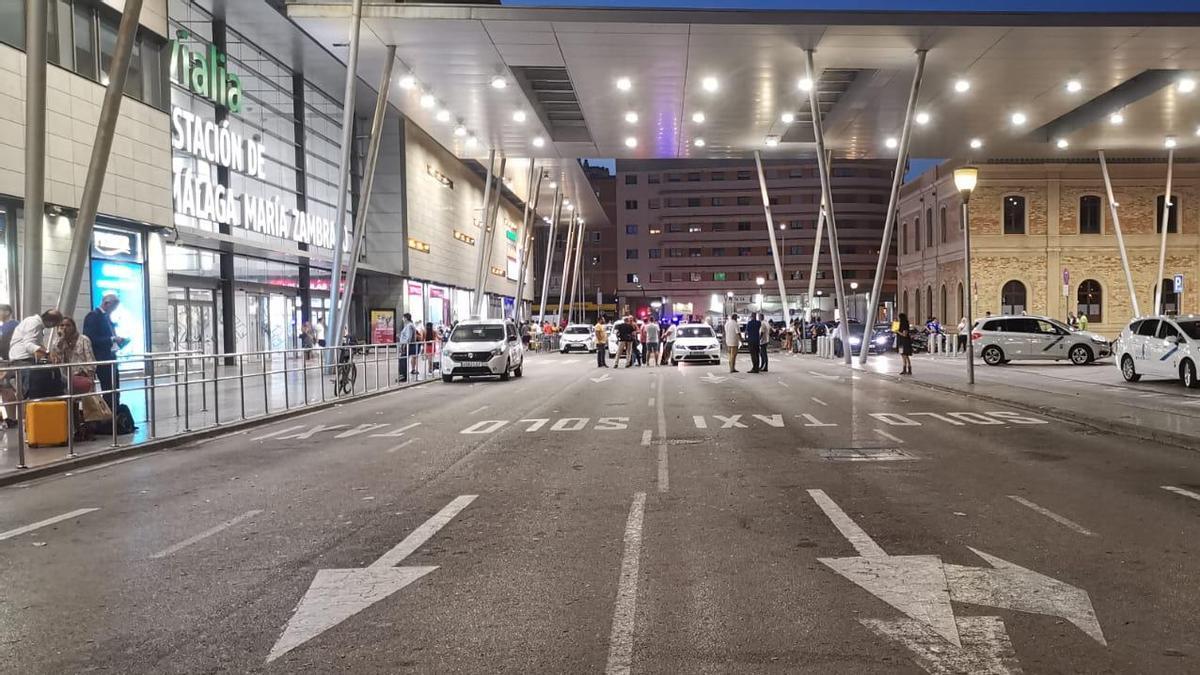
95	409
80	384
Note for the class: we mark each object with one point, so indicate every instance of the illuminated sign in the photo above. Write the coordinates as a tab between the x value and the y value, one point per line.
418	245
204	73
439	177
464	237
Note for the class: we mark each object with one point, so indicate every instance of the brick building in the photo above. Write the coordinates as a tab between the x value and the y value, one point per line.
1034	225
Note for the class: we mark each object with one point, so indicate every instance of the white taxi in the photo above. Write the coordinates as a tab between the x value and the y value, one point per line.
579	336
695	342
1160	346
482	347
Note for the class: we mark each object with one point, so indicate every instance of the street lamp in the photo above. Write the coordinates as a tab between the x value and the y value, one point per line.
965	179
728	302
760	281
853	287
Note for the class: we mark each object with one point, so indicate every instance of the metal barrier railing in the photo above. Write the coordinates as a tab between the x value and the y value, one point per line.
183	372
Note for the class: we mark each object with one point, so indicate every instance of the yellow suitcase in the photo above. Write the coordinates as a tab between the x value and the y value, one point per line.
46	423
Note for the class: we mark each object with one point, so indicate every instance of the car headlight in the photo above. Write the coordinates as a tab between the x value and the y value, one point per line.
881	340
855	340
1099	340
497	351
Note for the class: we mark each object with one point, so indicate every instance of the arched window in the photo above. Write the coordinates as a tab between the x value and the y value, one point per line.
1014	214
916	313
917	233
1012	298
1170	299
904	238
962	301
945	230
1089	300
904	304
929	227
945	313
1089	214
929	300
1172	215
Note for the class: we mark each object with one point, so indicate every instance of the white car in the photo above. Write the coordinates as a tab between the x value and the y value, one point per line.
695	342
1000	339
482	347
1160	346
577	336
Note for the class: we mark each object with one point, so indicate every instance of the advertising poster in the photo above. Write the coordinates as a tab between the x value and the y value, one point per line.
383	326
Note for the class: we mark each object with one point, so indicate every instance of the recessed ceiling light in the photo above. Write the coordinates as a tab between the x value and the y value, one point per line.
518	115
976	144
1074	86
407	82
891	142
1187	85
472	141
624	83
698	117
1198	131
1062	144
427	100
805	84
1169	142
567	202
1116	118
631	142
538	141
498	82
711	84
922	118
1018	118
787	118
772	141
631	117
699	142
962	86
443	115
553	185
460	130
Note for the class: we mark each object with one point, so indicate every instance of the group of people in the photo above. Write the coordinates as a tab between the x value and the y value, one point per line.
1079	322
639	343
420	343
758	336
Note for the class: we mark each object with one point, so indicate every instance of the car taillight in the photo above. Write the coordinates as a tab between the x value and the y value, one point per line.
975	335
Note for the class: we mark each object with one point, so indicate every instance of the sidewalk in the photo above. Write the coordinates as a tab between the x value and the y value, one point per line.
1096	395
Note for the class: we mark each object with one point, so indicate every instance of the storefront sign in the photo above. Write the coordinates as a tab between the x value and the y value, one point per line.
383	326
204	73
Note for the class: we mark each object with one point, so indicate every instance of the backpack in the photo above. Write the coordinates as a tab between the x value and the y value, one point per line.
6	343
124	420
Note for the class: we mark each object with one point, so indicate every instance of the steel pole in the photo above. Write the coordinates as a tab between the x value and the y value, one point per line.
966	218
521	240
1112	206
762	185
368	181
812	271
484	213
562	290
339	218
35	157
889	225
555	215
1162	247
827	193
489	238
526	249
575	278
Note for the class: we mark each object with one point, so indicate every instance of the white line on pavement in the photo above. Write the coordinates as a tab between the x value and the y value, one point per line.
861	541
819	401
891	437
479	410
620	641
106	465
218	437
422	534
205	534
646	435
664	476
783	384
1168	488
278	432
43	523
1061	520
401	446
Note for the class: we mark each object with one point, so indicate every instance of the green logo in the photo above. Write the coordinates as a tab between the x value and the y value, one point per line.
204	73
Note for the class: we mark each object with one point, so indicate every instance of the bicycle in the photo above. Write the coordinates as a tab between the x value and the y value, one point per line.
346	373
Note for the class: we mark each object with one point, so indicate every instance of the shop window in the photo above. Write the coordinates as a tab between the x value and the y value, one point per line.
1014	214
1089	300
1013	298
631	179
1089	214
1172	215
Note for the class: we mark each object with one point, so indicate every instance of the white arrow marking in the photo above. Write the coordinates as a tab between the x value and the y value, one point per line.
1181	491
360	429
338	594
713	379
277	432
985	645
603	378
305	435
395	433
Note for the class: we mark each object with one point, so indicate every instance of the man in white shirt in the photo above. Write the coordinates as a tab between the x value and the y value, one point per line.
405	339
733	338
764	342
29	337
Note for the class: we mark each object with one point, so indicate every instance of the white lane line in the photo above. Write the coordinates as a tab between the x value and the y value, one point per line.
401	446
106	465
664	476
479	410
783	384
891	437
43	523
220	437
1168	488
1061	520
646	435
277	432
861	541
819	401
205	534
422	534
620	641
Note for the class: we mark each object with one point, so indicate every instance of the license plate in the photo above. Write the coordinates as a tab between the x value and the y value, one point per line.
472	364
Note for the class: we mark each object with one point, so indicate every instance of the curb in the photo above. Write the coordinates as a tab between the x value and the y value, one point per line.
19	476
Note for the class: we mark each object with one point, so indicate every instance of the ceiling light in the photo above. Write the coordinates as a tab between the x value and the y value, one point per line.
519	116
787	118
699	142
1186	85
567	202
891	142
498	82
624	84
427	100
553	185
1116	118
460	130
472	141
1074	86
538	141
631	142
1198	131
1062	143
976	144
805	84
631	117
1018	118
962	86
772	141
711	84
698	117
922	118
1169	142
443	115
407	82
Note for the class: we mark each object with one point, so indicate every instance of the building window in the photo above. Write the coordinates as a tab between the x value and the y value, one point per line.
631	179
1089	300
744	226
1172	215
694	177
695	276
693	202
904	238
1089	214
675	227
844	172
718	175
743	250
929	299
718	201
916	234
653	178
674	253
718	276
743	276
595	237
1014	214
631	278
904	303
695	252
656	230
743	175
743	201
718	252
695	228
655	253
929	227
962	300
631	204
1012	298
945	229
651	203
915	317
631	254
631	229
795	250
945	310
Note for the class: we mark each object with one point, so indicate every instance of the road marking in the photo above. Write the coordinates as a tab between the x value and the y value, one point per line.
770	420
611	424
821	375
316	429
866	455
646	435
395	433
947	420
860	540
664	476
360	429
603	378
205	534
819	401
402	445
423	533
1181	491
731	422
1061	520
699	421
43	523
888	436
106	465
537	423
576	424
985	648
218	437
620	641
479	409
278	431
713	379
814	422
484	427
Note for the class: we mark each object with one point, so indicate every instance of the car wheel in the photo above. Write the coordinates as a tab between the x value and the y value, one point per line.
447	378
1188	375
517	371
1128	371
562	351
505	375
1081	355
993	355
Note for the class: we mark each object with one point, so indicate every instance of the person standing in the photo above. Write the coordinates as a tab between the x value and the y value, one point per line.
624	343
431	346
753	338
1082	321
405	341
964	334
601	343
320	332
904	344
99	327
764	342
668	344
732	339
652	335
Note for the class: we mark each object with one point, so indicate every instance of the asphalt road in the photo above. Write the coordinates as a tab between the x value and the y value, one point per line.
666	520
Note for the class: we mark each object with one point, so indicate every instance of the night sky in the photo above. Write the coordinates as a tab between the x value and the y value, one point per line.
1095	6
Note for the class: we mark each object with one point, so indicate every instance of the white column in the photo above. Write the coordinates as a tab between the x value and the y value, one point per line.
489	239
562	290
762	185
1112	205
1162	247
555	216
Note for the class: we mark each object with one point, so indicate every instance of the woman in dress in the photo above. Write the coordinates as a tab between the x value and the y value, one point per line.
904	344
431	342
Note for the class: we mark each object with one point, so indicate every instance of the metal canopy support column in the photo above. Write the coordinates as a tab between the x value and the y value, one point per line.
812	272
526	238
491	212
339	218
827	195
562	290
368	181
484	211
555	216
1162	247
889	225
35	155
762	185
577	276
1112	206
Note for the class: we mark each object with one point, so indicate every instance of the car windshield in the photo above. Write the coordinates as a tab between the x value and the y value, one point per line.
577	330
477	333
1191	329
695	332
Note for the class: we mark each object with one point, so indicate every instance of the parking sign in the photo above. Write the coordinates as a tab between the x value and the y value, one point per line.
1178	283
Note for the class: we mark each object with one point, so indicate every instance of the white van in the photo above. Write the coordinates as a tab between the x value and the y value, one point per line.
482	347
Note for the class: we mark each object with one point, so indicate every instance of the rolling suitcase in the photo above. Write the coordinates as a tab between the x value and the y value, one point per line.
46	423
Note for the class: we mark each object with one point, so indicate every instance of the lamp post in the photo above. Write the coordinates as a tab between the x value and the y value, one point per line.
760	281
853	288
783	249
728	302
965	179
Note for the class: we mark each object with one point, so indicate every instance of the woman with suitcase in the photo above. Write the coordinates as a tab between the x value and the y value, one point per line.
73	349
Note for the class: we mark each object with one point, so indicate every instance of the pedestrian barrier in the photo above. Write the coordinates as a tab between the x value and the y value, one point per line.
946	344
825	346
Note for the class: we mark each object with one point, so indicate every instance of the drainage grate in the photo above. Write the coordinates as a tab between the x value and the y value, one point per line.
865	455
